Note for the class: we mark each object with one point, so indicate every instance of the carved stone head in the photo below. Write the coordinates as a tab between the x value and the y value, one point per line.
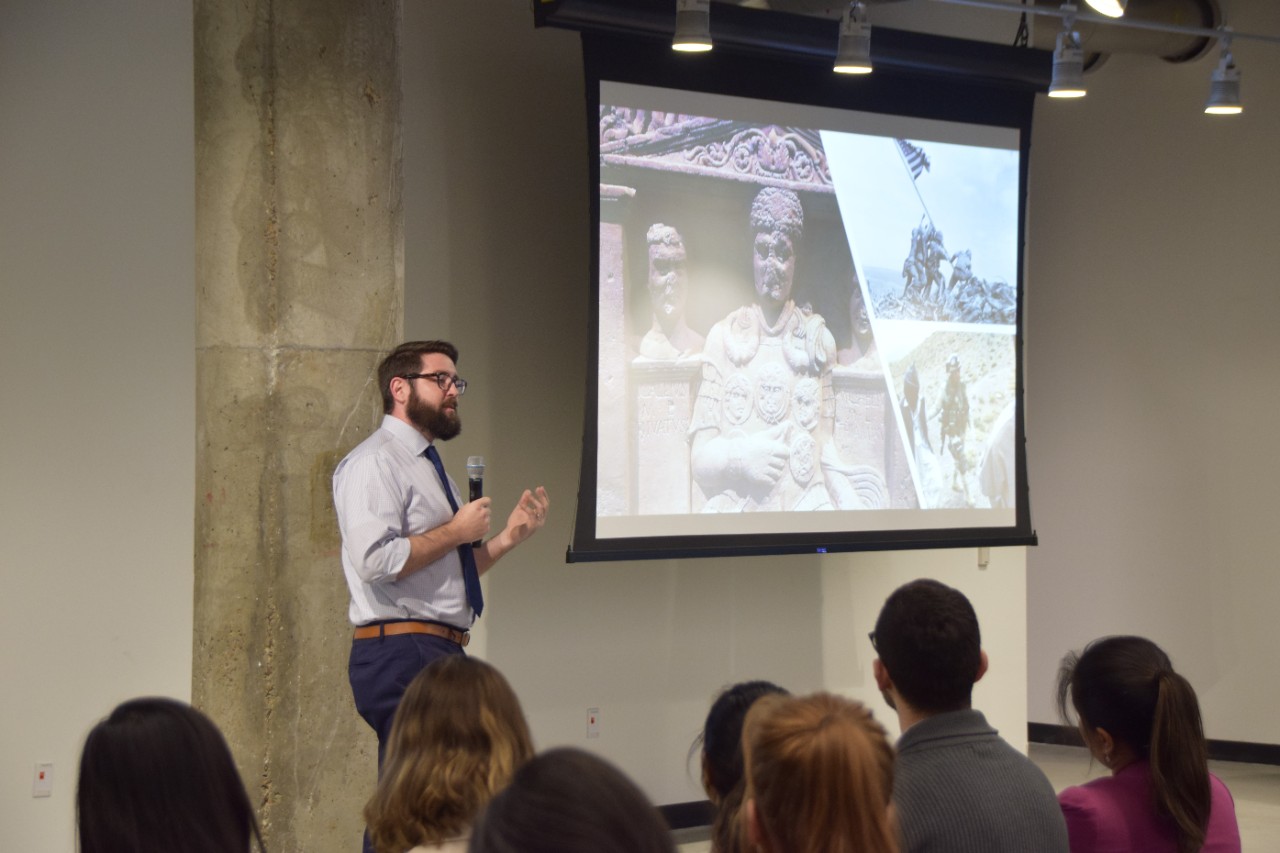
777	221
668	281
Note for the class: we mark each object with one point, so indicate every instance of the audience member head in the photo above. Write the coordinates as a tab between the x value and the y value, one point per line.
721	749
457	738
1132	706
819	777
570	801
929	647
407	358
156	776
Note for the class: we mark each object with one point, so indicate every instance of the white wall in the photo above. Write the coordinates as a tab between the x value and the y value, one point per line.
1154	377
497	259
97	359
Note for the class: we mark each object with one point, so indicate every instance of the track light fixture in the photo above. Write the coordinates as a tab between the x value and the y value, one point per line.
1068	78
1068	60
853	51
1224	86
693	26
1110	8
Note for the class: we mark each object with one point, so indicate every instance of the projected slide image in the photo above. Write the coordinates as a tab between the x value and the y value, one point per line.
752	381
933	225
759	318
956	398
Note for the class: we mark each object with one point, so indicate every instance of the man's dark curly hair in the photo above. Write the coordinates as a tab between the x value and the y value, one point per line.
928	639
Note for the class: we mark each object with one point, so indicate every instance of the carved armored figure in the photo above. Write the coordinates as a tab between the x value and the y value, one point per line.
763	417
670	336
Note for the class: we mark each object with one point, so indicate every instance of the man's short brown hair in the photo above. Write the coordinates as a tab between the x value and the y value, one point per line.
407	358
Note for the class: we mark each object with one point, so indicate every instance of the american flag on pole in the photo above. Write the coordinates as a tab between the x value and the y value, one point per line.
917	161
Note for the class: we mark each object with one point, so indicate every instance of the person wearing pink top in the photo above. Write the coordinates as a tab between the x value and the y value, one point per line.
1142	720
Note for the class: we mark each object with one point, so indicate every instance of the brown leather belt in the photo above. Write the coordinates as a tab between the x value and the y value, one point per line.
390	629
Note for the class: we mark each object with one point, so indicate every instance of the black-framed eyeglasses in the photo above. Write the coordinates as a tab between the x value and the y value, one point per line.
443	380
872	637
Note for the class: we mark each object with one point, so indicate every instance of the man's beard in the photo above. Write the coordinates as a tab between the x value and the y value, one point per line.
442	423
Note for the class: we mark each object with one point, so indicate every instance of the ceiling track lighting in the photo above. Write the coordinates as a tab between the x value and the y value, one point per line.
693	26
1224	85
1110	8
1067	80
853	51
1068	60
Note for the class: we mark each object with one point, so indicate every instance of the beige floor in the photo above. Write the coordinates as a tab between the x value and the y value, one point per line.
1256	788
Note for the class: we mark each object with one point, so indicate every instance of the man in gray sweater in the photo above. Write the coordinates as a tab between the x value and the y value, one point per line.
958	786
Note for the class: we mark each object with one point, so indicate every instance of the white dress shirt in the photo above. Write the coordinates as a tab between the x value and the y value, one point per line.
384	491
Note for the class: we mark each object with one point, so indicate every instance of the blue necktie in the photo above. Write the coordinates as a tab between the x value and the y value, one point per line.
470	577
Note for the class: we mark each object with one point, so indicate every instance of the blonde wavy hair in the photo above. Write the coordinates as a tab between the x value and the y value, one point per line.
819	773
458	737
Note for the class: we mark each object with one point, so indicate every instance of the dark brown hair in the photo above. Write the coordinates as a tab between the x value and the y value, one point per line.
928	639
570	801
156	776
721	753
407	358
1127	686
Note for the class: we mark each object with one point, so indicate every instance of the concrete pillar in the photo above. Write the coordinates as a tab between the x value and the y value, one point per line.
299	271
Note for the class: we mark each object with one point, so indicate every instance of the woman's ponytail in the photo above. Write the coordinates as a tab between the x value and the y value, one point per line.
1180	761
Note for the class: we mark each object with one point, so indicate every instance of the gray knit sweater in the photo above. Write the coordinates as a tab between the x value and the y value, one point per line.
960	788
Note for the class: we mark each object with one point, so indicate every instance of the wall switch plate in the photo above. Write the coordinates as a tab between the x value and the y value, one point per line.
593	722
42	786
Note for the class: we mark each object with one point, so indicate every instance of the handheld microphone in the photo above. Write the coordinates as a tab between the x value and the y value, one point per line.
475	483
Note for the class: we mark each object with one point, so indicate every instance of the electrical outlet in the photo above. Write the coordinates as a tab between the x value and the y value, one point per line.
593	722
42	786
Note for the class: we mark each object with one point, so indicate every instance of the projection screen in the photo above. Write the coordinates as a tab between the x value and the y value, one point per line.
806	318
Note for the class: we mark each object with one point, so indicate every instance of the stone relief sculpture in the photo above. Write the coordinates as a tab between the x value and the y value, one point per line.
762	421
670	336
763	412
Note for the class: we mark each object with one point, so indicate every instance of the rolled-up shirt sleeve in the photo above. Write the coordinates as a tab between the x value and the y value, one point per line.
369	499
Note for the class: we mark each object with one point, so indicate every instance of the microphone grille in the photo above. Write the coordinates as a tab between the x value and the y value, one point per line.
475	463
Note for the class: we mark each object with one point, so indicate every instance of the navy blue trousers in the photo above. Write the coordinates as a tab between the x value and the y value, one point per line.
380	670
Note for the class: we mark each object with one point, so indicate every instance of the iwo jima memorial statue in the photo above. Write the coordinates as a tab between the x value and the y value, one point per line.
738	370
